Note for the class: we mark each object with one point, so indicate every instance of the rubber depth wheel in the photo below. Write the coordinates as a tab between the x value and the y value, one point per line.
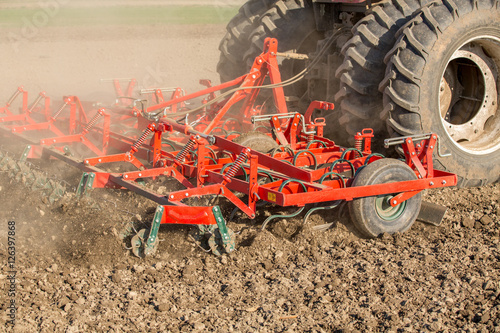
358	99
257	141
236	41
443	77
373	216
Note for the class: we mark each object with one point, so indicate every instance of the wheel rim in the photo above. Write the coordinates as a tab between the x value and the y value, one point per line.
468	96
385	211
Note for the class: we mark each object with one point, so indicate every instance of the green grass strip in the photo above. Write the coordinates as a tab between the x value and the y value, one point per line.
120	15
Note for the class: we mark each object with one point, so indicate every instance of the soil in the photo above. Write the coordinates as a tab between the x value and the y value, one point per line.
75	274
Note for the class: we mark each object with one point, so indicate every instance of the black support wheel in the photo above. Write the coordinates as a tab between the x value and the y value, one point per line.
373	216
257	141
236	42
443	77
359	102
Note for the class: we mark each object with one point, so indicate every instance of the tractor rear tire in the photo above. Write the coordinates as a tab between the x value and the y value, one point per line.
359	101
444	77
236	41
292	23
373	216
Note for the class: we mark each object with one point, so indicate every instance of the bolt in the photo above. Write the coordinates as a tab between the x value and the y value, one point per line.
431	183
140	174
443	182
187	195
125	176
394	202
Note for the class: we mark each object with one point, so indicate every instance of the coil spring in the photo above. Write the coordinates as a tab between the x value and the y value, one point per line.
182	154
60	110
310	136
93	121
358	144
141	140
35	103
14	96
237	164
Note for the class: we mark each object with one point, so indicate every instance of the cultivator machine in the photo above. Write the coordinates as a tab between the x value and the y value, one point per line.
233	146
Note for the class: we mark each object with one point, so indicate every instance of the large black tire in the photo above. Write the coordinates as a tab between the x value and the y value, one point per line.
443	77
236	41
292	23
373	216
358	100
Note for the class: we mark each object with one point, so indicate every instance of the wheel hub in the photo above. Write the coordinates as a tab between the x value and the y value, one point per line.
387	212
468	96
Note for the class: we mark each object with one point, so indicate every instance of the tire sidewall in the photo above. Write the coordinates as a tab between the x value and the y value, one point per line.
465	28
362	210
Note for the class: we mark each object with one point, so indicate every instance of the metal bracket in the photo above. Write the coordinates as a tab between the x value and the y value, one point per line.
67	151
416	138
86	183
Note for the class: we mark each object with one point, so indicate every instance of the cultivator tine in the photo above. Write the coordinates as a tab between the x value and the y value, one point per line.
57	193
152	241
14	170
222	239
138	243
4	160
35	180
25	174
40	183
313	210
86	183
144	243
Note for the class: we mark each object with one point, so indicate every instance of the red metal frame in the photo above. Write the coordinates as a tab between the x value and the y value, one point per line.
312	169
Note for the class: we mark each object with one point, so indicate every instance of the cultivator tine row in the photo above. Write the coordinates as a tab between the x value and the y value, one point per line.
303	170
35	180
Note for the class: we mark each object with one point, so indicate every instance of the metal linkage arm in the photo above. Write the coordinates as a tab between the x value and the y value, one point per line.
81	137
